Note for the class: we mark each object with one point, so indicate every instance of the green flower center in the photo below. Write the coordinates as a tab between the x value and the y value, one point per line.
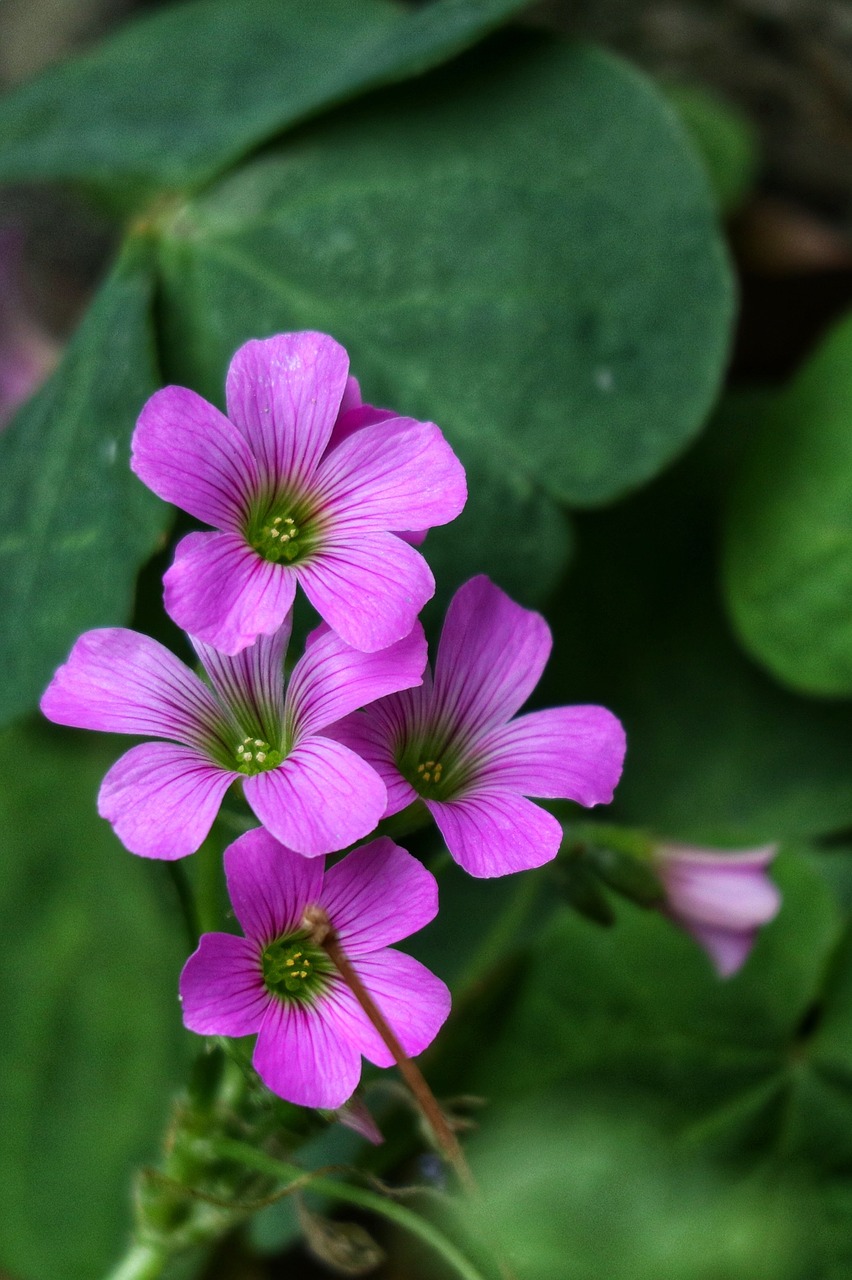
436	776
294	968
256	756
283	531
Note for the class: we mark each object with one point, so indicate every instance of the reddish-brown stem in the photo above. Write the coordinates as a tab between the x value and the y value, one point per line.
322	933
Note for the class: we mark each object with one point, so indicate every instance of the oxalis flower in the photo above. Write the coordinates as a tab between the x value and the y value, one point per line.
161	797
311	1031
304	485
453	744
721	899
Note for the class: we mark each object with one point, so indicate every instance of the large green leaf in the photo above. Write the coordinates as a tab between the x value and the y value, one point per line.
788	548
523	248
176	98
75	524
91	1044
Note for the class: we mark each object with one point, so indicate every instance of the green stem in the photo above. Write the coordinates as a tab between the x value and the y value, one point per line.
141	1262
231	1149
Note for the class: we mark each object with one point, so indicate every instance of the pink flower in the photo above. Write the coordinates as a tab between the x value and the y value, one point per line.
303	484
453	744
162	797
721	899
27	354
311	1031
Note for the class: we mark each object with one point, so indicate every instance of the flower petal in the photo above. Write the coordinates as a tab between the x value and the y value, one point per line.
365	734
270	885
353	416
322	798
301	1055
122	682
397	474
412	999
734	897
284	394
377	895
251	683
490	658
191	455
162	799
331	678
220	590
221	987
493	833
575	753
728	949
369	590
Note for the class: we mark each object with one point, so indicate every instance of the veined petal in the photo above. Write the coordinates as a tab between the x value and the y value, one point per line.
353	416
490	658
284	394
301	1055
122	682
220	590
397	474
331	678
221	987
575	753
251	682
369	590
162	799
728	949
191	455
270	885
363	733
414	1002
322	798
377	895
493	833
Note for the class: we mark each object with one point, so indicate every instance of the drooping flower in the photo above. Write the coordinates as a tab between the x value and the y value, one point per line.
311	1031
721	899
453	742
161	797
27	354
302	485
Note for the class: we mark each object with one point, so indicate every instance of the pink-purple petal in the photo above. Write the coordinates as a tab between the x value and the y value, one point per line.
377	895
269	885
728	949
119	681
301	1055
369	589
414	1002
321	799
490	658
191	455
221	987
220	590
720	896
396	474
251	682
332	679
363	733
494	833
574	753
284	394
162	799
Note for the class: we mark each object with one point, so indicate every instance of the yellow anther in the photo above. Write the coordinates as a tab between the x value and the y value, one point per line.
289	963
277	520
261	756
274	533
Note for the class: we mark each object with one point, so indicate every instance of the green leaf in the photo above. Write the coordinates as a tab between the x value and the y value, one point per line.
788	541
523	248
75	524
176	98
92	1045
724	138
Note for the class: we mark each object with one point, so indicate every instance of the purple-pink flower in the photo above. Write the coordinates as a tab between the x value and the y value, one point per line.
721	899
453	742
302	484
312	793
27	354
311	1031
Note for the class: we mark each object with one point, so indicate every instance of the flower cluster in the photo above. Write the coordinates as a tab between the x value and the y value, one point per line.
304	485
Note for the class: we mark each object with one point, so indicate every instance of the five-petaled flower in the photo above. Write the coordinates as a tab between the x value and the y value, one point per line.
313	793
721	899
453	744
311	1031
302	484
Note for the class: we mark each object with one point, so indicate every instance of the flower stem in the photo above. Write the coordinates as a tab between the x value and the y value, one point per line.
323	934
141	1262
231	1149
